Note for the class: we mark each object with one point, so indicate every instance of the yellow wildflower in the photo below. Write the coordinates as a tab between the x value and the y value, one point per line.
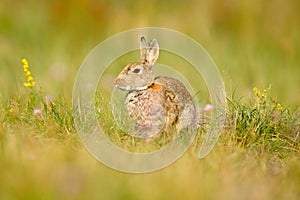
24	61
51	106
30	82
279	106
264	94
29	78
256	91
11	110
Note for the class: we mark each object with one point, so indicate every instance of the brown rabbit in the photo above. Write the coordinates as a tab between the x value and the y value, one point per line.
155	105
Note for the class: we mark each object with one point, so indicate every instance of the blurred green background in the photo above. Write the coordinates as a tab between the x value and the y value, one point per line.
253	42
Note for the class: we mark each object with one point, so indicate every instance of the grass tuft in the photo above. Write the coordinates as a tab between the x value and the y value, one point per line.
263	125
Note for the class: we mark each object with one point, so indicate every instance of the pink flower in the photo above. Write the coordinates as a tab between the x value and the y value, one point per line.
208	108
37	111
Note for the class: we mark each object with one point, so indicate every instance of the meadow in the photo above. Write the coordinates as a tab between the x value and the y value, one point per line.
254	43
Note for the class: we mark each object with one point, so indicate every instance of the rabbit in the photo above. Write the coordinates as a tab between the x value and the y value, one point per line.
155	104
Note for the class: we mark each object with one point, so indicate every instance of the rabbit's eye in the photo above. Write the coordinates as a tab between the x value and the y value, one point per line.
136	70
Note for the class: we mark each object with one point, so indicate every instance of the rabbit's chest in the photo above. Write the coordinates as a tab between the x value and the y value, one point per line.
149	106
144	102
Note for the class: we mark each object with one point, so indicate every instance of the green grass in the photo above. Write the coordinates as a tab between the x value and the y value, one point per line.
254	43
257	155
263	124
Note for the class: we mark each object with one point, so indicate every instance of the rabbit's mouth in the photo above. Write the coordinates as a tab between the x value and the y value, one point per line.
128	88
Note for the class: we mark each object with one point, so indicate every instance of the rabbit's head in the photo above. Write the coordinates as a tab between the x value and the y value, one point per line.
139	75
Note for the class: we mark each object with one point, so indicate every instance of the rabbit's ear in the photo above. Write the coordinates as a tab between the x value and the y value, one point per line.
152	52
143	48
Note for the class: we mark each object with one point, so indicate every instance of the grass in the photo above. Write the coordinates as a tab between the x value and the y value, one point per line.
257	155
254	43
264	124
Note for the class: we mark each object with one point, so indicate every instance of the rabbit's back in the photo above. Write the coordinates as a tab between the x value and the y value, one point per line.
177	88
187	113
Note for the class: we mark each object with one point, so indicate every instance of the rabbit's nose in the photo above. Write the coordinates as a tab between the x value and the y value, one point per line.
117	80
